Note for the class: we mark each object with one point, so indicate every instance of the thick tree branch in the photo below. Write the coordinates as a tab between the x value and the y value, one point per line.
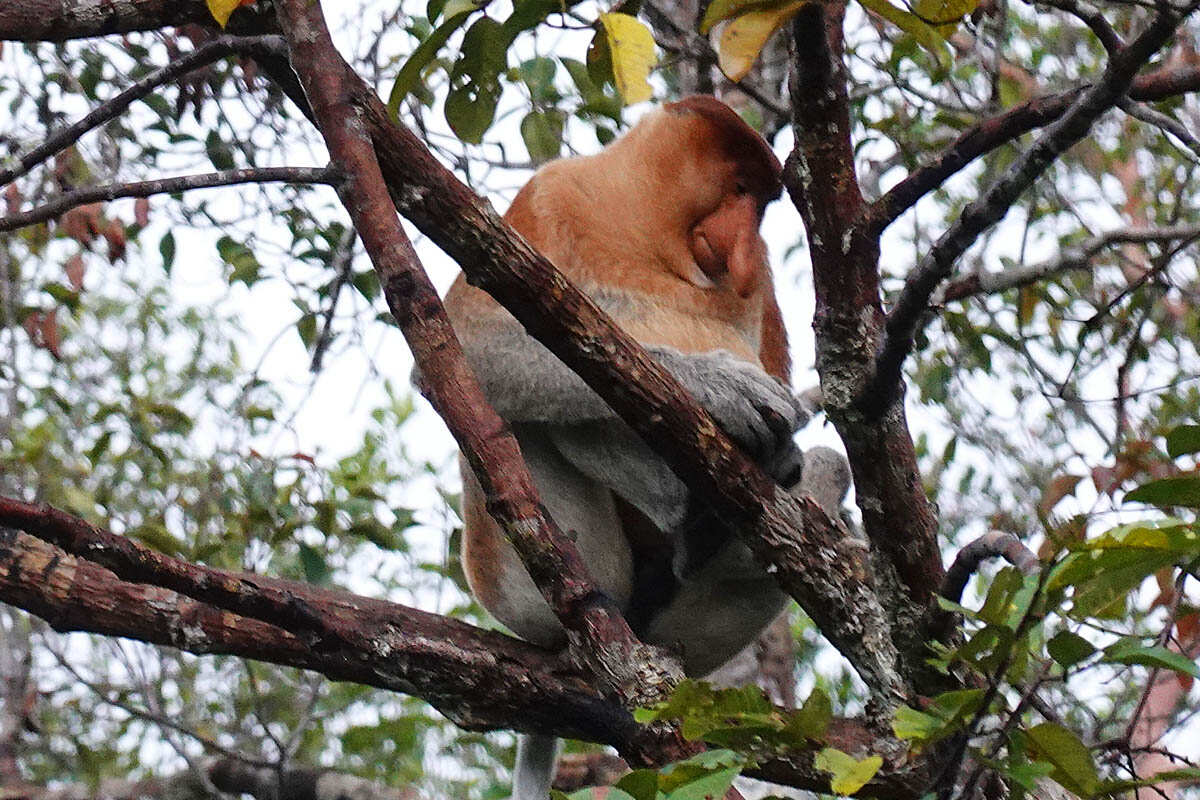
182	183
908	315
814	558
1079	257
636	672
821	180
480	680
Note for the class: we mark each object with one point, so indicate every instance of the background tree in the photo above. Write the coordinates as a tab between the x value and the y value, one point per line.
998	211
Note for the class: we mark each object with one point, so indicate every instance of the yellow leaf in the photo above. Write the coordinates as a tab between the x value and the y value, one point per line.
849	774
926	35
743	37
631	46
943	14
721	10
221	9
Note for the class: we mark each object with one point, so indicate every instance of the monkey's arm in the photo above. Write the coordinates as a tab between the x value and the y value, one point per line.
525	382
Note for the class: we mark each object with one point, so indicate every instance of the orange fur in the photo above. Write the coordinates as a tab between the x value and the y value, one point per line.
661	229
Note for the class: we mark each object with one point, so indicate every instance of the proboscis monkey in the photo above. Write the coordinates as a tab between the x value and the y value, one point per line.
660	229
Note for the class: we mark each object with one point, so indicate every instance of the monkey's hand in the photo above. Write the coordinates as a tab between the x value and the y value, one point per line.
755	409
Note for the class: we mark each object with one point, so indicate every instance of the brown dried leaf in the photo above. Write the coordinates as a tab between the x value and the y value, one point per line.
75	269
141	211
12	199
114	234
1056	490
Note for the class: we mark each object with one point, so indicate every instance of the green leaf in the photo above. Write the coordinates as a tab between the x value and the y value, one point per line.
542	132
1180	491
631	49
475	80
529	14
1130	650
316	570
457	12
595	100
166	249
924	34
237	255
849	774
367	283
1073	764
62	294
306	327
912	725
812	720
219	153
538	76
1069	648
946	714
641	784
1183	441
943	15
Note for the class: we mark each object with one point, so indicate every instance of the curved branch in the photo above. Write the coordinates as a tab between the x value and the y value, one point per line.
481	680
990	545
182	183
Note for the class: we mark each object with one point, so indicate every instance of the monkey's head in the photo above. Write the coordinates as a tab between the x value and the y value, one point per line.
709	177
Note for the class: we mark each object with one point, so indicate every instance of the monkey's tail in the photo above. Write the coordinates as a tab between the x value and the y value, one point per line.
537	756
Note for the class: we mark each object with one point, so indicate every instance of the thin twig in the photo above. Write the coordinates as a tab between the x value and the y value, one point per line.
182	183
1079	257
343	264
203	55
1164	122
909	314
1090	16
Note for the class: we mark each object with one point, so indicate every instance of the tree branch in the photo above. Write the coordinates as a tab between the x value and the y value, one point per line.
983	282
110	109
635	672
481	680
821	181
182	183
907	317
985	136
990	545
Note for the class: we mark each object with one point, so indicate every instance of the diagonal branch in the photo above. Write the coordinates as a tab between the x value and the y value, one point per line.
635	672
1001	129
812	552
908	315
182	183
